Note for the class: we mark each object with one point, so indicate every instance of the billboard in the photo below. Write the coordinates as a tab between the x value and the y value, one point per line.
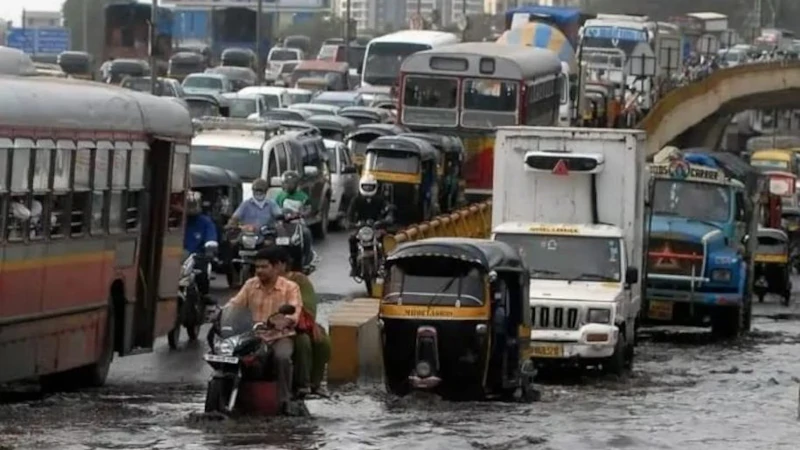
39	41
284	5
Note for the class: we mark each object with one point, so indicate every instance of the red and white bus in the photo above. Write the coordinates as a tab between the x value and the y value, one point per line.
91	243
470	89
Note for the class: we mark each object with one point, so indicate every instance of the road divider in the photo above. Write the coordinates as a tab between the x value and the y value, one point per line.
353	325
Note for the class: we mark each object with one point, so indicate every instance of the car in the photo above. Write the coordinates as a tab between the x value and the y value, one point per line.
342	99
165	87
276	97
245	106
299	95
207	83
316	108
344	182
299	115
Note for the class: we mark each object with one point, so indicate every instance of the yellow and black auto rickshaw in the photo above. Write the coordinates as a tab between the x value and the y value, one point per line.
773	271
455	320
405	168
358	140
448	168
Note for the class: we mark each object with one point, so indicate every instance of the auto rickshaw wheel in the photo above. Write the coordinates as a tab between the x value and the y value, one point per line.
398	387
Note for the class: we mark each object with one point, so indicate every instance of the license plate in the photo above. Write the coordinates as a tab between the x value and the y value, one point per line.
547	351
222	359
282	240
660	310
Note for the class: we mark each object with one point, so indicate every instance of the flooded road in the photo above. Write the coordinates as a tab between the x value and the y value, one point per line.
686	392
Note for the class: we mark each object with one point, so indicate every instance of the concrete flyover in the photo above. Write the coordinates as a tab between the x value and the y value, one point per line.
697	114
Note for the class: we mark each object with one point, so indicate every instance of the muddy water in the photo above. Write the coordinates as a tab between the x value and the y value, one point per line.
685	393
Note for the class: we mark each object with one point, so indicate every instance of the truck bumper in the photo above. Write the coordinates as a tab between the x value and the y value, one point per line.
559	346
704	298
671	307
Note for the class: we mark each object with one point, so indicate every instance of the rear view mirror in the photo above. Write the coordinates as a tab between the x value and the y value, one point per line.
631	276
276	181
310	171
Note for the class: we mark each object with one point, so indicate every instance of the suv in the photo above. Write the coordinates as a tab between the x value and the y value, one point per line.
260	149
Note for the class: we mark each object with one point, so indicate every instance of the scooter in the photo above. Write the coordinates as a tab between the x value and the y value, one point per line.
196	269
290	236
244	380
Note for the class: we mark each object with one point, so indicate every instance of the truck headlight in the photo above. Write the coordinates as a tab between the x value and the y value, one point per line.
723	275
596	315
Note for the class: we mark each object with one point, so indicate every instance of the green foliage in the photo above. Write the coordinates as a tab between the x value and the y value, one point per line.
73	19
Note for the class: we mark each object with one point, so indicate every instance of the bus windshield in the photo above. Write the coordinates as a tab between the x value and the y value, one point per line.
244	162
429	100
383	60
613	37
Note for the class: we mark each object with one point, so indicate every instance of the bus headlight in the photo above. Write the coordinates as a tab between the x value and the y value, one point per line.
721	275
597	315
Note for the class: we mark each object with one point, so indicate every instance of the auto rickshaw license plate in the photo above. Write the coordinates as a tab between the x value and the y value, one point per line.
547	351
660	310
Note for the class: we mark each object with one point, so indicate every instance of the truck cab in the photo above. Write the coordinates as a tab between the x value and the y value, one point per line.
697	261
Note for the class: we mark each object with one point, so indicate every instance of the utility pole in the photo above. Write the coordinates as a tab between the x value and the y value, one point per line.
259	32
85	25
464	18
347	36
757	14
153	46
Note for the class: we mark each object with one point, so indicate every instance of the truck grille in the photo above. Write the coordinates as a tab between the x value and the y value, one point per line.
675	257
554	317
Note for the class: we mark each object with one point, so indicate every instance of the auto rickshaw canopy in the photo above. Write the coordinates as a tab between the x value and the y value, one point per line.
489	255
423	149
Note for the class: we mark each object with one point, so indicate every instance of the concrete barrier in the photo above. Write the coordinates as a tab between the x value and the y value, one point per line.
356	343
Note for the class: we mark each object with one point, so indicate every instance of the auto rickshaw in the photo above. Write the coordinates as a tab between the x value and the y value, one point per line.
241	77
774	160
121	68
184	63
76	64
405	168
783	184
772	270
358	140
239	57
455	319
365	114
221	194
333	127
448	168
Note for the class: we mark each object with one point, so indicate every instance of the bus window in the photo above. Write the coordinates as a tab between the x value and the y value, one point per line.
489	103
427	92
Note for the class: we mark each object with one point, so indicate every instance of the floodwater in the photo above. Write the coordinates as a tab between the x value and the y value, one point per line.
686	392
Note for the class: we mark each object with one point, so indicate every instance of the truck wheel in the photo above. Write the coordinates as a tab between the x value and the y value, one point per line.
727	323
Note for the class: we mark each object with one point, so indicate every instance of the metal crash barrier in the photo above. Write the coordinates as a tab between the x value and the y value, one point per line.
353	326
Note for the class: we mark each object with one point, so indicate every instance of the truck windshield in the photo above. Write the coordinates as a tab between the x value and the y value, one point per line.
244	162
442	285
692	200
551	257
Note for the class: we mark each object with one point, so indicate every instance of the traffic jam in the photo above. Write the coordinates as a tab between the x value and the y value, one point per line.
407	239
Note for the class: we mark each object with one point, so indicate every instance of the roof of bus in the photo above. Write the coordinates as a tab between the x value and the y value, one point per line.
517	61
76	105
418	37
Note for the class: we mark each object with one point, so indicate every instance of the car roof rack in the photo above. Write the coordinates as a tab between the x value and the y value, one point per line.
226	123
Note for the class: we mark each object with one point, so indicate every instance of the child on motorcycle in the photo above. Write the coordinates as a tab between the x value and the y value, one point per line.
312	344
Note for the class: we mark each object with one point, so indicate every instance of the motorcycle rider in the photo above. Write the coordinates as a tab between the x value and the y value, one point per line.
256	211
292	199
368	205
200	232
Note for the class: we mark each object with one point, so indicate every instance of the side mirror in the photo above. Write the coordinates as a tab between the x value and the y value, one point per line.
310	171
631	276
276	181
287	310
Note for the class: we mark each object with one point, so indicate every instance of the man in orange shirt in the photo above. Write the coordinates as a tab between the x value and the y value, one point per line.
264	294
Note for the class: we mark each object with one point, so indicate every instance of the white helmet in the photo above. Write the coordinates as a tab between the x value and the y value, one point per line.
368	185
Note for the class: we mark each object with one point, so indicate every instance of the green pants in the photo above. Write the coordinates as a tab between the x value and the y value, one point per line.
310	358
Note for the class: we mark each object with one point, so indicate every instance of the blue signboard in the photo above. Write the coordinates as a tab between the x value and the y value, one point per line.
616	33
40	41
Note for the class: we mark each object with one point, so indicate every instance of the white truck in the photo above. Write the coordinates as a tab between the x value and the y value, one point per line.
571	200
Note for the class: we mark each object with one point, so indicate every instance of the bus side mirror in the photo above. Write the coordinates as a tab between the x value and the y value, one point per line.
631	276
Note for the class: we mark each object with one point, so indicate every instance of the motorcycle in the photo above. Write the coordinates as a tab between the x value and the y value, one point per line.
370	253
248	241
191	297
242	382
290	236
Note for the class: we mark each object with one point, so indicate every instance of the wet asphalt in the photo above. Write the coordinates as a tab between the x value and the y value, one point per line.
686	391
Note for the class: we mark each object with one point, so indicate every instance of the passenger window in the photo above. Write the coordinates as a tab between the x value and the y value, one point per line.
116	213
119	172
61	171
18	213
136	180
101	157
59	217
98	212
20	171
83	165
281	157
41	170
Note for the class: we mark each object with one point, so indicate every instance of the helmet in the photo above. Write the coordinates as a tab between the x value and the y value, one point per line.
368	185
290	180
193	204
260	185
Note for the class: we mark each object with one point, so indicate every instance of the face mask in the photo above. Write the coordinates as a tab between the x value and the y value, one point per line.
259	197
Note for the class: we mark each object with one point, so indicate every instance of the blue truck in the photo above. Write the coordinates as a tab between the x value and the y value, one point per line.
702	207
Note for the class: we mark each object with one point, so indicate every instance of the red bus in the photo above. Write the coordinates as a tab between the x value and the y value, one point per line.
90	247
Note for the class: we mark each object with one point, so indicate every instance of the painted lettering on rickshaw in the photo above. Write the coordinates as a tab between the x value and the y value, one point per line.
427	312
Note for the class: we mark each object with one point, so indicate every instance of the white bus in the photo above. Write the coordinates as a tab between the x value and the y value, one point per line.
386	53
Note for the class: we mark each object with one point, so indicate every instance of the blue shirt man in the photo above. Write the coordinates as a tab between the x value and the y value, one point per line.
258	210
200	229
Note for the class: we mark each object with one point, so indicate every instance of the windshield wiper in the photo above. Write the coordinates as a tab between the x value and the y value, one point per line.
441	291
591	276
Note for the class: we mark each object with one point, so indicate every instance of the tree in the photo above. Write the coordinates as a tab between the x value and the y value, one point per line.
73	19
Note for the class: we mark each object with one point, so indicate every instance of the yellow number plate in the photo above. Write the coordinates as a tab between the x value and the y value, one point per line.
547	351
660	310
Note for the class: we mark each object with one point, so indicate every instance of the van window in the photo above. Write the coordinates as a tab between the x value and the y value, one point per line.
311	155
281	157
295	150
